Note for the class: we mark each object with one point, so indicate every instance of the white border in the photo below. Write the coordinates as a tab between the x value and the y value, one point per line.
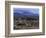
29	30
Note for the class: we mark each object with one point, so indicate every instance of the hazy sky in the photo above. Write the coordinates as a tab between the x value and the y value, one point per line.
26	10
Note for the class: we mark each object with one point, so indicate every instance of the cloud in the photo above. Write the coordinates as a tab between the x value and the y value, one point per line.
26	11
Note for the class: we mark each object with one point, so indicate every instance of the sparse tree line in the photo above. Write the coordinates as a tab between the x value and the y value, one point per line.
23	23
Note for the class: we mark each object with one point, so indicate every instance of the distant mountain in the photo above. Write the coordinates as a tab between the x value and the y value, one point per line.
25	14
